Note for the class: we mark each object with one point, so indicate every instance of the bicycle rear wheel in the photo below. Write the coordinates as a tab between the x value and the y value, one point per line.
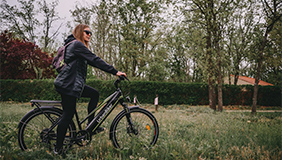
34	126
144	134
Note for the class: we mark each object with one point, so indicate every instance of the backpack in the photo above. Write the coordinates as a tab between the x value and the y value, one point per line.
58	61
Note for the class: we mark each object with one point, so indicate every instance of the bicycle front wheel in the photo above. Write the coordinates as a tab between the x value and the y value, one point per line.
143	132
34	129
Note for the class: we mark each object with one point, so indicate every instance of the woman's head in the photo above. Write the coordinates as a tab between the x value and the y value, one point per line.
82	33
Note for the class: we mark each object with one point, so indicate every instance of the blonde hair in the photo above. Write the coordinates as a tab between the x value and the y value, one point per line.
78	33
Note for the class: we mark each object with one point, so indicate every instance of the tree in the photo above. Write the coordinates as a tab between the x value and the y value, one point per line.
209	11
82	14
50	17
21	20
239	37
21	59
272	71
137	21
273	13
105	38
212	18
123	34
195	47
176	46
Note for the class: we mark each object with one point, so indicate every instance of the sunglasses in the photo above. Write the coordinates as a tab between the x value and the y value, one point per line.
88	32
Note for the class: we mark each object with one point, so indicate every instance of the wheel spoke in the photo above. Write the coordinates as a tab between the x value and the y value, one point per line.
32	134
144	126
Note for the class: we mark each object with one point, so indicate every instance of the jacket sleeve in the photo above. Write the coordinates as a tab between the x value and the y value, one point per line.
83	52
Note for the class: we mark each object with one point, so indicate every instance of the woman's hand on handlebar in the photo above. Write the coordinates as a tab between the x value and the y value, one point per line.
120	74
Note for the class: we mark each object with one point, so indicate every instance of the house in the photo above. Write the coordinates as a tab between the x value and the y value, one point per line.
243	80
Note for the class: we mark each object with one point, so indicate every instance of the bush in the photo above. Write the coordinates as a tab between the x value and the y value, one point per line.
25	90
169	93
21	59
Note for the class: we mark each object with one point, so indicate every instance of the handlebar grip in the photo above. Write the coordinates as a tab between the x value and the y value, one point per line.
122	77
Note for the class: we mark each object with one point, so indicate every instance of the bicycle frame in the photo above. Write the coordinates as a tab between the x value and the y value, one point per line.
106	107
109	104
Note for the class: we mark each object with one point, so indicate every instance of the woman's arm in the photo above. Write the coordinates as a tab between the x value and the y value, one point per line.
83	52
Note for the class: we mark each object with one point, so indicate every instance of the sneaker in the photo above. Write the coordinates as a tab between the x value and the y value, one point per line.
98	130
59	152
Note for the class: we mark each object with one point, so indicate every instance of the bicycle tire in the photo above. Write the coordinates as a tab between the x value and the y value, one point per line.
33	127
145	124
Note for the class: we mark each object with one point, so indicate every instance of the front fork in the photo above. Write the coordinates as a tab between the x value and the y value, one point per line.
131	128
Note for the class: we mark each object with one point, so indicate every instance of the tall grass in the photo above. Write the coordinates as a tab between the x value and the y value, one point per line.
185	133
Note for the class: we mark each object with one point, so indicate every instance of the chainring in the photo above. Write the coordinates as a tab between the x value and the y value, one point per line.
83	138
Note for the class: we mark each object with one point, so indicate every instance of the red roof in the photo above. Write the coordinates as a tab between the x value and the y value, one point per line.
252	81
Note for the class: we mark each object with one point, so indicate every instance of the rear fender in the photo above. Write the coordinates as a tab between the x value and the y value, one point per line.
43	108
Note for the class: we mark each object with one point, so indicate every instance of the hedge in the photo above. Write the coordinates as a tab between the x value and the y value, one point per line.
169	93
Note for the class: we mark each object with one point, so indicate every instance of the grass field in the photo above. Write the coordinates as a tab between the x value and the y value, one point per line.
186	132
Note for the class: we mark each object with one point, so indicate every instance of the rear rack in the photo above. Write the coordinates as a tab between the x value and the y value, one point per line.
45	102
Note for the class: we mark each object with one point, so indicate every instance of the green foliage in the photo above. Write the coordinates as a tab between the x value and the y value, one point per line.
133	35
272	68
169	93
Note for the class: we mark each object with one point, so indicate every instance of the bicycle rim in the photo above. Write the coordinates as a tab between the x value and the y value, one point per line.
33	133
144	123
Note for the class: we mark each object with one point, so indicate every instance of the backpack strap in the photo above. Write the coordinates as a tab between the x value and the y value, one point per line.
70	42
66	48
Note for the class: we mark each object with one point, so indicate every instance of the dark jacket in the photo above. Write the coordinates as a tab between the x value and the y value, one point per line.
71	79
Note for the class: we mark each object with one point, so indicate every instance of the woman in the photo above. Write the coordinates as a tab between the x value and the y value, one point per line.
70	82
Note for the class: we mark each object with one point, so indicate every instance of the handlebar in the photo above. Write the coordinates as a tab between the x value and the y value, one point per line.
123	77
120	78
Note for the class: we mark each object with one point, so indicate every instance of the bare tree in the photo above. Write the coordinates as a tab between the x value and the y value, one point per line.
50	16
20	19
23	20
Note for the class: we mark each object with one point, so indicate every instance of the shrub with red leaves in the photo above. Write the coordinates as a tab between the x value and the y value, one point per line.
21	59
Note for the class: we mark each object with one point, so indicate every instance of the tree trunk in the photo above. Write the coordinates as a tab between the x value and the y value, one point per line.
260	58
219	80
236	76
217	34
219	90
212	103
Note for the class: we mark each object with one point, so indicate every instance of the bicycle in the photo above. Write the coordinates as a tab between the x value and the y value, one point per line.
132	126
